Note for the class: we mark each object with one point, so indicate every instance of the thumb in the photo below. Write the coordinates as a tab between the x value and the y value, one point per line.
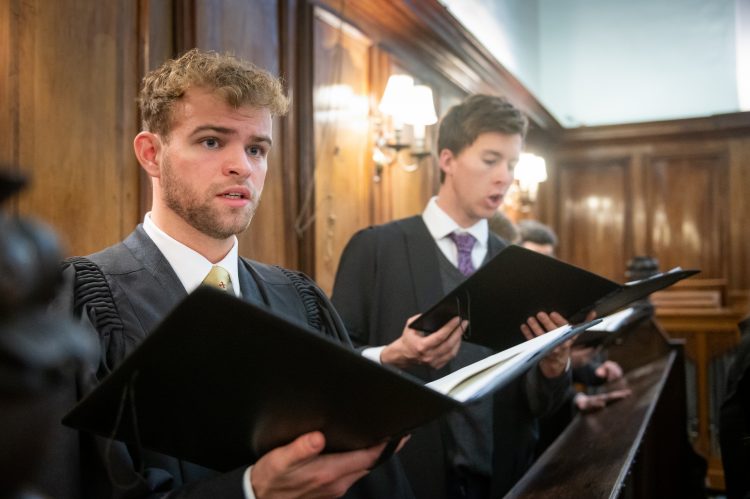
304	448
601	371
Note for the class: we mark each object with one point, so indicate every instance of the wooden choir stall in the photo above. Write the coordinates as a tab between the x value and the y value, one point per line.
635	447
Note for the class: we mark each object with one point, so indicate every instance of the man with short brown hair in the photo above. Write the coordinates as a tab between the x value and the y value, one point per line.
205	145
392	272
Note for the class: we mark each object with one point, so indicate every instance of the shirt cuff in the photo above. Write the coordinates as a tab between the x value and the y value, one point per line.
247	486
373	353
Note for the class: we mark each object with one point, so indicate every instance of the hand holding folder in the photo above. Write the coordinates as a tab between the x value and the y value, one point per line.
518	283
223	390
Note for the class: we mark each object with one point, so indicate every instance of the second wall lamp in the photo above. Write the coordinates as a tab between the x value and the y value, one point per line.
405	104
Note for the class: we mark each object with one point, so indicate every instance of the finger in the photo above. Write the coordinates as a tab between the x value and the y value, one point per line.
597	403
583	351
618	394
343	470
615	370
442	334
557	319
336	488
437	355
352	461
590	316
534	326
546	321
449	349
526	332
412	319
302	449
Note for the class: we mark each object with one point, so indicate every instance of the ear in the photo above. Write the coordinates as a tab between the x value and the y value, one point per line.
148	148
446	160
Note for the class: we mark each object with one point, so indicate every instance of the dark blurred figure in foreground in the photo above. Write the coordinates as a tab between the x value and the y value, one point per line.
38	348
734	421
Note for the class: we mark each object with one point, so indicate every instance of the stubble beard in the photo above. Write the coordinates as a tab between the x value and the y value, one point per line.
200	212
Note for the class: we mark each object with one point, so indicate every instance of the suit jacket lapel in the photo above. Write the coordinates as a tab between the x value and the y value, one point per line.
158	268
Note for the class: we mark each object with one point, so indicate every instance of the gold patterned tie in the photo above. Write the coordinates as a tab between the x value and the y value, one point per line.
219	278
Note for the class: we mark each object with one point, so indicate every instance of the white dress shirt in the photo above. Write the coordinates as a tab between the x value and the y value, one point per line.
441	226
190	266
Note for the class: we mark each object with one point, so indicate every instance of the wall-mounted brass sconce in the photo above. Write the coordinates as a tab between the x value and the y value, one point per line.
404	104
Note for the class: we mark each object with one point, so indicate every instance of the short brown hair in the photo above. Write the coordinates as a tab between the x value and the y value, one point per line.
239	82
476	115
536	232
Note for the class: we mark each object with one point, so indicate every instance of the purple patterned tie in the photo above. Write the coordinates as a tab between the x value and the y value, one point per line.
464	243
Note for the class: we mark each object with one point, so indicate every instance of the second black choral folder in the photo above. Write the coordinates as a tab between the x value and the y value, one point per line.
220	382
518	283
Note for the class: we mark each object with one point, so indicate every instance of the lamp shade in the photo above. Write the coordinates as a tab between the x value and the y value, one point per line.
398	92
530	170
421	107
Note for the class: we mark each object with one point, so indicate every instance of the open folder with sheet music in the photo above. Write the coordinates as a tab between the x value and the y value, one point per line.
220	382
518	283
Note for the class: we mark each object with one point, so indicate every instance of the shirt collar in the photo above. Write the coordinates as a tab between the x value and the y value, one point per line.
190	266
441	225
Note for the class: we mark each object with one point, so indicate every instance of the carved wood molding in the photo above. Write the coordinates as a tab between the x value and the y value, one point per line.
717	125
424	33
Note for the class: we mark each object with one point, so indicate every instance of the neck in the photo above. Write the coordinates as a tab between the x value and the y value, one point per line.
448	202
212	249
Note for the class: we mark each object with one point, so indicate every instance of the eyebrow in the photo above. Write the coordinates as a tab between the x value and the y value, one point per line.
492	152
229	131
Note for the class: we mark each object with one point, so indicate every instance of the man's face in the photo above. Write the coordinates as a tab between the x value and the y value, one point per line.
214	163
478	177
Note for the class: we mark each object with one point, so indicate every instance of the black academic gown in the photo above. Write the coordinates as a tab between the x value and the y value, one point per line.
144	289
391	272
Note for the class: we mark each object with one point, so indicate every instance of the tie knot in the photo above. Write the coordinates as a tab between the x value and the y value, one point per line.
219	278
464	241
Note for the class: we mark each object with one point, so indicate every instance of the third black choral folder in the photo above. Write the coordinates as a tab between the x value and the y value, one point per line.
518	283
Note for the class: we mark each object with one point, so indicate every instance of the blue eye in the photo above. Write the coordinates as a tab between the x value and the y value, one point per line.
211	143
255	151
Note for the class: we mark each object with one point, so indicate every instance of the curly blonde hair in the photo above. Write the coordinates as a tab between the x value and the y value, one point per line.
239	82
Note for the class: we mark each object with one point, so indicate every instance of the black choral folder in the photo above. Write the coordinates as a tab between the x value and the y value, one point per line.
518	283
220	382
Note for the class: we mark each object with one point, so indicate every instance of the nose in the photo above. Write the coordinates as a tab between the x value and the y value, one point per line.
237	163
504	173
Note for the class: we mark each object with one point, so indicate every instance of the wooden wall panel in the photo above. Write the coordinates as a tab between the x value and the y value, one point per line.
74	70
344	169
250	30
9	11
739	215
689	182
593	216
686	197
